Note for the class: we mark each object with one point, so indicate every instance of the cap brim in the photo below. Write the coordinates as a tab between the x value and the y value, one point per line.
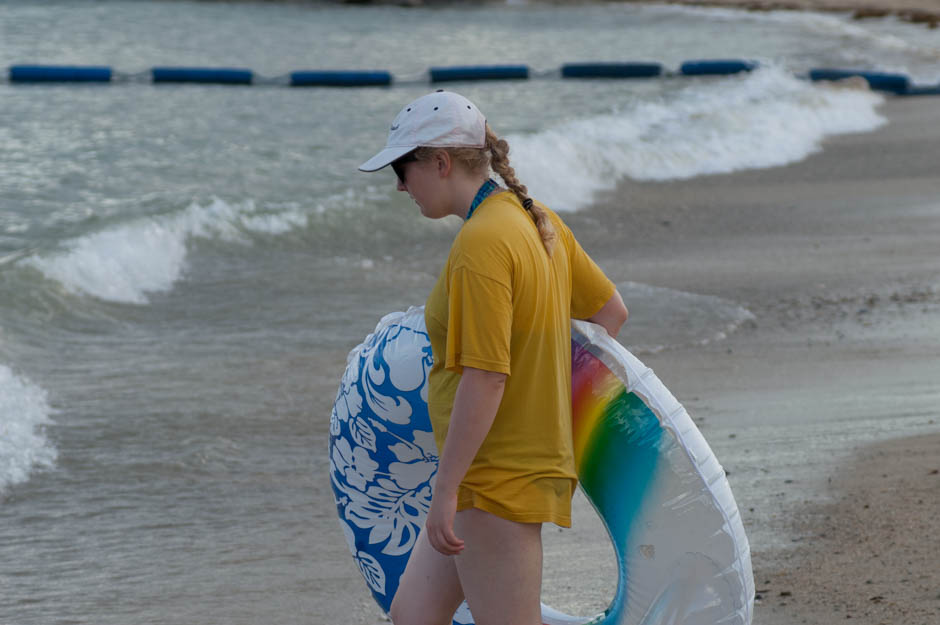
385	158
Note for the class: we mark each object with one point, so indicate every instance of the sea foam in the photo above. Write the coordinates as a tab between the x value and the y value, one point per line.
126	262
663	318
763	119
24	411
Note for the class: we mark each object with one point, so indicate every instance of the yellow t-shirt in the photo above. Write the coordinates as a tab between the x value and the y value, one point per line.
501	304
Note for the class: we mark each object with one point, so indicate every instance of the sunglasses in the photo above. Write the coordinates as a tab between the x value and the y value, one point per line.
399	165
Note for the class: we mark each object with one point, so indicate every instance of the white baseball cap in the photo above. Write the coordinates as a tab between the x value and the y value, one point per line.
440	119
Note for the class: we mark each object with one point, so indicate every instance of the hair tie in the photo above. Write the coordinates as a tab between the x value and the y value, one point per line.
527	203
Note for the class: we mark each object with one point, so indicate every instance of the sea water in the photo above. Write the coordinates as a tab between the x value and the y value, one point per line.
184	267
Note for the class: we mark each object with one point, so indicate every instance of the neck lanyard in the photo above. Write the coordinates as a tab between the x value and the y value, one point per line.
488	187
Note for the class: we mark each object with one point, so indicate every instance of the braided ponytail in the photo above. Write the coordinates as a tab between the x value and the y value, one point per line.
499	161
495	155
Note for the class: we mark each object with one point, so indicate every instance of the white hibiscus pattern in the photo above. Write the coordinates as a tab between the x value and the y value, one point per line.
401	361
353	465
383	458
369	567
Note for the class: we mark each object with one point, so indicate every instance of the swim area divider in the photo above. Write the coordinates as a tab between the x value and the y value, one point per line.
898	84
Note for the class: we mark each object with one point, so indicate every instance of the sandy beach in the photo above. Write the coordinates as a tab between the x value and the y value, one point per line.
869	554
925	12
836	257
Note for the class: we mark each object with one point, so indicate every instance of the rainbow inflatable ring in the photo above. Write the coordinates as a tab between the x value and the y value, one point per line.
682	554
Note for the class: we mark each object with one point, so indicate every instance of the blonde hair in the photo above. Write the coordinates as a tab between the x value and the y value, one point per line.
495	154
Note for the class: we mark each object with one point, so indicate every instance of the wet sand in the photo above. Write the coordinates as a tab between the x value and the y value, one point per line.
870	553
831	388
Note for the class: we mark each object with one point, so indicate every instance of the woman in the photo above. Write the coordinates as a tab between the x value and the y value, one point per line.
500	387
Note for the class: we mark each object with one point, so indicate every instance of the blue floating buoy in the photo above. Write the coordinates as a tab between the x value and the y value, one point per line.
934	90
339	79
721	67
611	70
223	76
59	73
894	83
479	72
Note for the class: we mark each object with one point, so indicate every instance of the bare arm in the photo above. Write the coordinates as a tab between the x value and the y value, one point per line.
475	404
612	315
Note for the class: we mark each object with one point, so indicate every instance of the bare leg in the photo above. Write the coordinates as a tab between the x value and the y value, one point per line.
429	591
500	568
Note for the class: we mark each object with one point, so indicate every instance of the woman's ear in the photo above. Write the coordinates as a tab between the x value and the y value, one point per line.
443	162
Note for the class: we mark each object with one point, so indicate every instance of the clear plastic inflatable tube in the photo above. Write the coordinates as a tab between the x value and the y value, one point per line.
682	554
681	548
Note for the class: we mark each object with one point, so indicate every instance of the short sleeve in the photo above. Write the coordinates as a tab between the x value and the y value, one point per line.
590	288
479	322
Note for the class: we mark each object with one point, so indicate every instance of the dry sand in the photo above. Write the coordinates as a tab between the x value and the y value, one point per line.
825	410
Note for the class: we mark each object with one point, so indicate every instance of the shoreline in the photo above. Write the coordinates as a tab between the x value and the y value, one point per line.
836	257
926	12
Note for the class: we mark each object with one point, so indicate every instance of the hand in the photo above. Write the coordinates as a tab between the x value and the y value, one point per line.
440	524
